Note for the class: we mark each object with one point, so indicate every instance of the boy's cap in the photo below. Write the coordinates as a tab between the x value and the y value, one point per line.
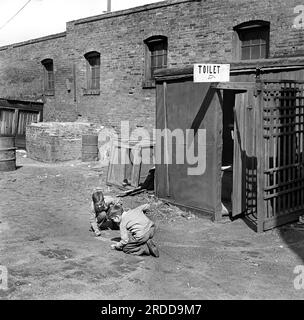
115	210
97	195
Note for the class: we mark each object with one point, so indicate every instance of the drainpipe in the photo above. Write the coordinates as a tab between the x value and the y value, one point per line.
109	6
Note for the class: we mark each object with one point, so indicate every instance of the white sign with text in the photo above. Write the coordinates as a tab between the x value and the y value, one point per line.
211	72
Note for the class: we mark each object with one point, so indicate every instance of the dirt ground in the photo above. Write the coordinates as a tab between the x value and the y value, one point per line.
50	253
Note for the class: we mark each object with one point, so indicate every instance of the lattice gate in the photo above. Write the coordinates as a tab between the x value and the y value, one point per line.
281	157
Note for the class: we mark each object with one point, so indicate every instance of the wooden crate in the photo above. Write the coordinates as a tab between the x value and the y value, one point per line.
130	161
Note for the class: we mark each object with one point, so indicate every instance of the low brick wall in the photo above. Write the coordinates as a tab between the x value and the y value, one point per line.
57	141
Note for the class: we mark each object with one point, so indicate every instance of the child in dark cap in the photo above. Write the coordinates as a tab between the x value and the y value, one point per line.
100	206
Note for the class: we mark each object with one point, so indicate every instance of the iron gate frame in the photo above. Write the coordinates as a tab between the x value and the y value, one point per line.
280	124
261	193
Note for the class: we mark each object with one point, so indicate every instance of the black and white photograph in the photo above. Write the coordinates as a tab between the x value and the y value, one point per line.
151	150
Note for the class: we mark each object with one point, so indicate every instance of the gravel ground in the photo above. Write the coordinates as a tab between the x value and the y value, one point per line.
50	253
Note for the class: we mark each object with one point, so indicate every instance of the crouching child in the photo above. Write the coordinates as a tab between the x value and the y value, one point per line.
136	231
100	206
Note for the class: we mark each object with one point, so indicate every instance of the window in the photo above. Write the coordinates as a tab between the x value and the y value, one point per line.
252	40
93	73
156	58
48	77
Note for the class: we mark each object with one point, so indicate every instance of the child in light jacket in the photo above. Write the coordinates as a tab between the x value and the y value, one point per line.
136	231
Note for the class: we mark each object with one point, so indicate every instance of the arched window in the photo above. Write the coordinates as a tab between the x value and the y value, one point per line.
93	70
156	57
252	40
48	76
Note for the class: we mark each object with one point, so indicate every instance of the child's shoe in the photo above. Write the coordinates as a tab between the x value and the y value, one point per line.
153	248
97	233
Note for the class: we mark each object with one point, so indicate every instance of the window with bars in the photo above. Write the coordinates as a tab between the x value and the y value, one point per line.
48	77
93	72
252	40
156	58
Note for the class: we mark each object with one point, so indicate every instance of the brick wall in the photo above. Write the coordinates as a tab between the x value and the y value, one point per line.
197	31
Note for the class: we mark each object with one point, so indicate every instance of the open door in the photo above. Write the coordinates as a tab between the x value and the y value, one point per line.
245	159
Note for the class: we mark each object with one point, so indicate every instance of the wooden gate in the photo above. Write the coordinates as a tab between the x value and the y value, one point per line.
6	122
15	115
268	182
24	118
281	144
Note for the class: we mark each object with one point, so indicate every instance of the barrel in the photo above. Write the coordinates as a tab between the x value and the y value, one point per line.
89	148
7	153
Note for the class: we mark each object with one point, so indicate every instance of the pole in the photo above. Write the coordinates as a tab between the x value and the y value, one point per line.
109	6
166	139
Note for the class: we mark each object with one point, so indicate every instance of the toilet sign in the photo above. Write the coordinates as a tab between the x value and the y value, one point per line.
211	72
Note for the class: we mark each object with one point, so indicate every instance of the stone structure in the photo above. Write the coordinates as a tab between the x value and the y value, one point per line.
55	142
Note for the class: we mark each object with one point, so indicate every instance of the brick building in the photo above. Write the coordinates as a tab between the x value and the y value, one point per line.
101	68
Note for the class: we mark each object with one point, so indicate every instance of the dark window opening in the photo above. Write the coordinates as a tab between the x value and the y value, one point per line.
156	58
93	72
49	79
252	40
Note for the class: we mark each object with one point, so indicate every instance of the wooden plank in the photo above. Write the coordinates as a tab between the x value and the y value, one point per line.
187	208
282	126
237	201
284	192
147	161
6	121
244	192
260	163
40	116
243	86
135	176
15	122
281	220
277	185
281	168
218	157
24	106
166	138
110	167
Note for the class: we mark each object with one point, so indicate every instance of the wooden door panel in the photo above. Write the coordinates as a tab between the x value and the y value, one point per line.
245	160
6	122
184	106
